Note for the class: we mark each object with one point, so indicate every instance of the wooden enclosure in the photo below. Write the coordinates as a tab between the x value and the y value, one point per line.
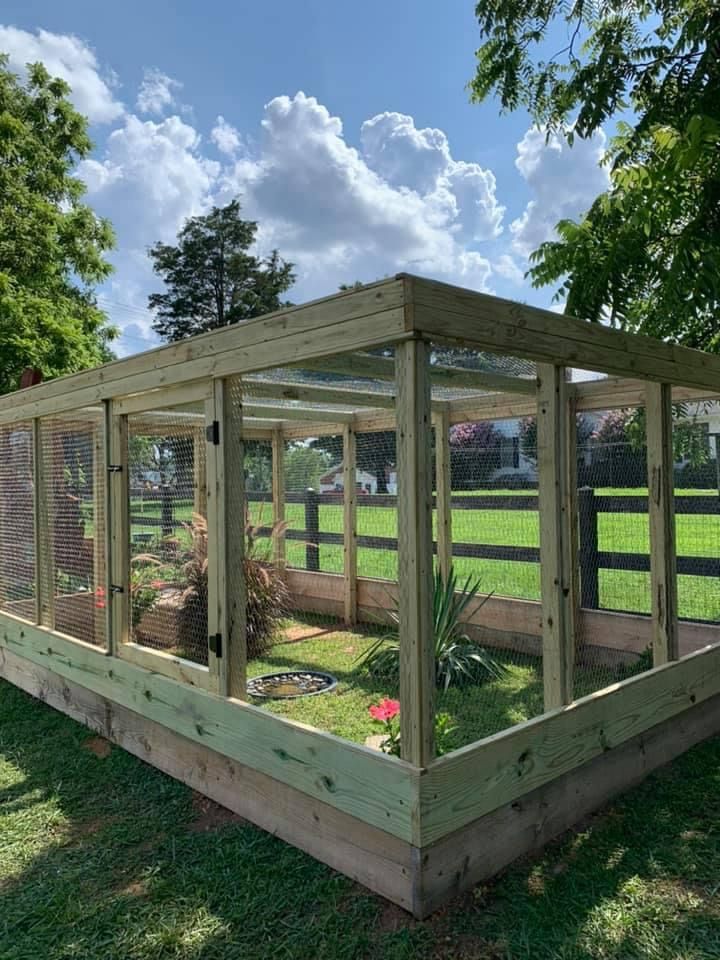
421	828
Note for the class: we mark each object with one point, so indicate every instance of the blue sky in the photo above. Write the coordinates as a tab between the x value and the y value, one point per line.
346	130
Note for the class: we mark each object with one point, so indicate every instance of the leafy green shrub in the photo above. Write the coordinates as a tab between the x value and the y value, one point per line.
457	657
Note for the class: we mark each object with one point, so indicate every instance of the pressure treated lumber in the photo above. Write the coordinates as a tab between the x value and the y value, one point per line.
661	517
278	496
557	580
443	492
383	368
451	314
369	855
365	783
477	779
119	596
315	393
486	846
350	525
415	556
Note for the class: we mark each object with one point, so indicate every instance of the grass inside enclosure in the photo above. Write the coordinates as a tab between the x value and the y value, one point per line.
476	710
103	856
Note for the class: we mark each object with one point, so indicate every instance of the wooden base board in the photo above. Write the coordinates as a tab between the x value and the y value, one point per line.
374	858
419	880
488	845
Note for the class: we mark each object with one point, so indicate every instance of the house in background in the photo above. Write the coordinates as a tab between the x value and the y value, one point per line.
332	481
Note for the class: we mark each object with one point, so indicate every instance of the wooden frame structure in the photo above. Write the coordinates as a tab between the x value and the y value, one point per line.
420	828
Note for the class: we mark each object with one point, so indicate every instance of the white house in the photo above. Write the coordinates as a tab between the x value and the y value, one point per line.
332	481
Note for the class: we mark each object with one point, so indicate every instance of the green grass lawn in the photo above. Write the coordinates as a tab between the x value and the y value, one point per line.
699	597
104	858
476	710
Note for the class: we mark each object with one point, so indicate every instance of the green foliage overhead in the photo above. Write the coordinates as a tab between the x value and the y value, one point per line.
646	256
211	278
52	245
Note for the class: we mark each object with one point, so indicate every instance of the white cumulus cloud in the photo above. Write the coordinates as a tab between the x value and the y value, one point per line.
157	92
67	57
563	180
225	137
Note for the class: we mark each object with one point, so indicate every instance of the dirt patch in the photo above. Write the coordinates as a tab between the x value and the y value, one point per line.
138	888
304	631
392	918
467	947
99	746
210	815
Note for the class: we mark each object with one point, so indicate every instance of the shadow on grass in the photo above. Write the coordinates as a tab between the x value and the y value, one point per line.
98	859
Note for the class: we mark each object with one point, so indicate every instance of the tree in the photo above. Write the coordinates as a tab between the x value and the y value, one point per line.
210	277
474	453
51	244
646	256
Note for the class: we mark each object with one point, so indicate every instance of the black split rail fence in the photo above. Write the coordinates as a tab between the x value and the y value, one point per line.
590	505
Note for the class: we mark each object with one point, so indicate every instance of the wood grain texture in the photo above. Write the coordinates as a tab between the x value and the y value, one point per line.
477	779
365	783
556	539
119	599
278	496
368	855
415	552
661	519
350	525
443	492
486	846
352	320
450	314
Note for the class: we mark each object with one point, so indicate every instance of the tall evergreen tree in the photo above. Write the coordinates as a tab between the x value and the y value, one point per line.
210	277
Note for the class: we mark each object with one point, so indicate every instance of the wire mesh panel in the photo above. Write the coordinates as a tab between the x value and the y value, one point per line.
614	548
72	477
17	525
377	505
696	429
168	531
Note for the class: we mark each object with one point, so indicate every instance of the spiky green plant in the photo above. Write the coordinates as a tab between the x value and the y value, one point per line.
457	657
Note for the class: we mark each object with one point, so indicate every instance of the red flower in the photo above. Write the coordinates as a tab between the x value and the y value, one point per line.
156	584
100	598
385	710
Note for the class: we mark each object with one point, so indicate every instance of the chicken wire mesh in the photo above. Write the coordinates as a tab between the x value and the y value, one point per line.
168	531
72	481
17	521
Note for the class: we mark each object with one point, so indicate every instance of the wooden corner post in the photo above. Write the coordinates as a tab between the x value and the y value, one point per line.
415	555
443	492
558	581
350	523
119	522
227	633
661	516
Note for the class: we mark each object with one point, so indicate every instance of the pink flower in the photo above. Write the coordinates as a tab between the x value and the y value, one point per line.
156	584
100	598
385	710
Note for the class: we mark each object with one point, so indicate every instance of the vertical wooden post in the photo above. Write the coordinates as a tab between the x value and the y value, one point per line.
443	492
661	515
227	628
557	580
199	475
278	496
415	575
44	546
350	524
97	438
119	596
103	583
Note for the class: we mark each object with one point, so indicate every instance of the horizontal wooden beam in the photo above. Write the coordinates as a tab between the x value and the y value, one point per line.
314	393
367	854
365	783
363	365
477	779
451	315
355	320
312	415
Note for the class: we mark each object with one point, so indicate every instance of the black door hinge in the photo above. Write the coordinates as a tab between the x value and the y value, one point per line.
115	588
212	432
114	468
215	644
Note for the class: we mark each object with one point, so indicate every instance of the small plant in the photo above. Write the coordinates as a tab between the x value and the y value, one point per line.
457	657
387	713
144	586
